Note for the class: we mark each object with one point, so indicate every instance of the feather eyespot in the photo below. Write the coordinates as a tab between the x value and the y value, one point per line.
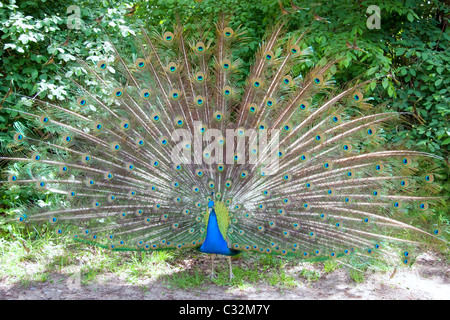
319	137
257	83
244	174
358	96
140	142
168	36
67	139
227	91
156	117
347	147
252	108
118	92
303	106
429	178
328	165
18	137
199	77
145	93
115	146
318	79
228	32
379	167
397	204
295	50
41	184
175	94
336	118
304	157
371	132
200	47
423	206
108	176
406	161
140	63
44	119
350	174
85	158
226	64
179	121
98	126
102	64
268	55
287	80
287	127
172	67
218	116
404	183
125	125
270	102
199	173
164	141
81	101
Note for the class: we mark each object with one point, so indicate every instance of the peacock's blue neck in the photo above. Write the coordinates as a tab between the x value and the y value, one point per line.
214	241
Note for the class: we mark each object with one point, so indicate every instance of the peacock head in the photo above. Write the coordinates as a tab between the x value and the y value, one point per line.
211	202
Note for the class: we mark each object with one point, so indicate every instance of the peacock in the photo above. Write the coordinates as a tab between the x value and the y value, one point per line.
168	144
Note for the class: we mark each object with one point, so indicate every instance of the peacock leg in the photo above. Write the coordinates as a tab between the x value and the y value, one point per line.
231	269
212	275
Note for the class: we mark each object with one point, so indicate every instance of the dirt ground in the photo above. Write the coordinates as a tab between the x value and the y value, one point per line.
429	278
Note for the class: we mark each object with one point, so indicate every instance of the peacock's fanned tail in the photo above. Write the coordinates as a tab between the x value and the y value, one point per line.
125	176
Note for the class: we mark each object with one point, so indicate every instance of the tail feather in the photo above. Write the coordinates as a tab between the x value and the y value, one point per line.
108	154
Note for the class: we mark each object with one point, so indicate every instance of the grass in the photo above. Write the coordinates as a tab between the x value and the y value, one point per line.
26	262
310	275
34	261
357	276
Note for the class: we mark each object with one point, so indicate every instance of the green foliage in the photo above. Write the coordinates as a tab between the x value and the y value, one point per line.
356	276
407	57
310	275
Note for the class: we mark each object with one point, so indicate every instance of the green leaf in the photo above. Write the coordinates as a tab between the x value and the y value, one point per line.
372	70
410	17
446	141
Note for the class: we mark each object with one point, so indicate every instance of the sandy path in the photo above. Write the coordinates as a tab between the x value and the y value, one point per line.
429	278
